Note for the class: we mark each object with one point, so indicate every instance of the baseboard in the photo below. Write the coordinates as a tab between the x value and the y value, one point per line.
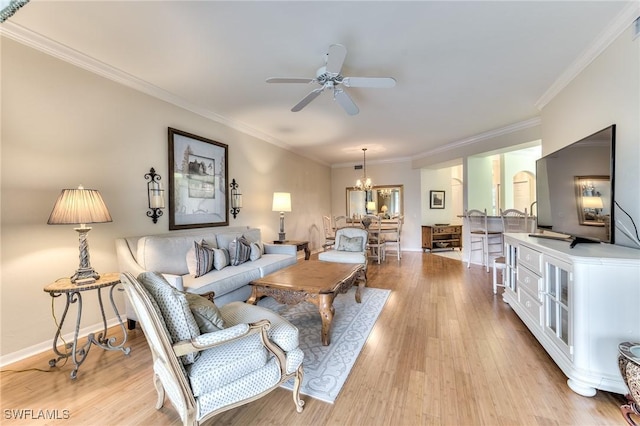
48	345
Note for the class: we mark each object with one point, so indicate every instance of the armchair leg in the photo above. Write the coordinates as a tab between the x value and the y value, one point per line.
296	389
159	390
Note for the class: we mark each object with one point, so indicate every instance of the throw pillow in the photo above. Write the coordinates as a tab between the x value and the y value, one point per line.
350	244
192	265
256	250
174	308
239	250
205	312
221	258
203	256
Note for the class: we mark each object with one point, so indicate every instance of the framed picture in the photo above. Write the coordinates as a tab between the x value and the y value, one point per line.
436	199
198	195
592	199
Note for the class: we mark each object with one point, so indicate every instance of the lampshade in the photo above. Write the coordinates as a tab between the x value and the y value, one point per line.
592	202
79	206
281	202
371	205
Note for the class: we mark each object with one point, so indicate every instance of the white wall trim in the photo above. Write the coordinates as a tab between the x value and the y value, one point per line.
57	50
48	345
482	136
619	24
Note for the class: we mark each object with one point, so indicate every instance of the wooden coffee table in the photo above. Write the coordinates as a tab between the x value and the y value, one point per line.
311	281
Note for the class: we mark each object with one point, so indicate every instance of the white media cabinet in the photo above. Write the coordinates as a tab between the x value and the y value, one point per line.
580	303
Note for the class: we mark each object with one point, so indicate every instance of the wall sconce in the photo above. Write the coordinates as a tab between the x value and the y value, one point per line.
155	195
236	198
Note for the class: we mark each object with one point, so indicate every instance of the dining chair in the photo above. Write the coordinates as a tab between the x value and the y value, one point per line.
489	242
329	233
393	238
340	222
376	243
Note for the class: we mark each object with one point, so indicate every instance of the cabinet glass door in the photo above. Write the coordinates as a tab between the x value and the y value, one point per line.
557	303
510	275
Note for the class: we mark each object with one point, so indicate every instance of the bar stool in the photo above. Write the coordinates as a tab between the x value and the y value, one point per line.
512	221
490	242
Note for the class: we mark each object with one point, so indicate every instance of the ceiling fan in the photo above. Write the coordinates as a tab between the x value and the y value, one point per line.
329	78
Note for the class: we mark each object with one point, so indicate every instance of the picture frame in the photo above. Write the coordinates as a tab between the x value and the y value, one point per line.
436	199
198	180
592	199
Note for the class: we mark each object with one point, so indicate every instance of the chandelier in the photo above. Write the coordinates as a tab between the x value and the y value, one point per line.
384	193
364	184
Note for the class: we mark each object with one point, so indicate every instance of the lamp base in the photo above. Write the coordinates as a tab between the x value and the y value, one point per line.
85	276
281	237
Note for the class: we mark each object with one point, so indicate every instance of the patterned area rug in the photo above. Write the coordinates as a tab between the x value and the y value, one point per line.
326	368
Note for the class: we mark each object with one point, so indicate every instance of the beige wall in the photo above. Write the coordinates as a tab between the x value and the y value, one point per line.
63	126
606	92
396	173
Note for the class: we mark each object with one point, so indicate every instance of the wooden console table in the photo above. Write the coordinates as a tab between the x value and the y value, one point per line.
441	237
74	294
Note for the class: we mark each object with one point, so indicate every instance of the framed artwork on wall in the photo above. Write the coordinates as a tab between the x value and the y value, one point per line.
436	199
198	177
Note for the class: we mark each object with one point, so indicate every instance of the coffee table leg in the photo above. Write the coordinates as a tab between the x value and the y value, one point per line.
362	282
327	310
253	299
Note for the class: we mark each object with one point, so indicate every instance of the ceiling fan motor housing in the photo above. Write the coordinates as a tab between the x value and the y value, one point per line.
322	76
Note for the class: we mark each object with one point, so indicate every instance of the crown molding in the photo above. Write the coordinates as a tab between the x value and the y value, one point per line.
619	24
526	124
50	47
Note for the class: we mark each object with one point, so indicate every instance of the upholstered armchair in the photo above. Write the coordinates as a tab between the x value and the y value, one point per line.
208	360
350	247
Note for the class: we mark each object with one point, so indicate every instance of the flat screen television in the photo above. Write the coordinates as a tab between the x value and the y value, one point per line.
575	189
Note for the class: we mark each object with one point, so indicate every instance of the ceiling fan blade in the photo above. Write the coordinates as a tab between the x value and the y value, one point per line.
335	58
307	99
376	82
289	80
345	101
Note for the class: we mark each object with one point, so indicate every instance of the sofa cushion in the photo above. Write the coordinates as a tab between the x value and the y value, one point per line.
253	235
342	256
223	281
270	263
205	312
224	239
164	254
174	308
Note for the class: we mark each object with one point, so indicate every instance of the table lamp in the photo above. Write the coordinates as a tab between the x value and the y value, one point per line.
79	207
281	203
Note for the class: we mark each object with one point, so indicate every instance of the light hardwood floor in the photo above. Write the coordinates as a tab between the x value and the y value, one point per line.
445	351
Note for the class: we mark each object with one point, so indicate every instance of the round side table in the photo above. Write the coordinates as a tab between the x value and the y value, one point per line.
78	353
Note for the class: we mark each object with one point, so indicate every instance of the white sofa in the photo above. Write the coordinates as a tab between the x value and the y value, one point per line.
167	254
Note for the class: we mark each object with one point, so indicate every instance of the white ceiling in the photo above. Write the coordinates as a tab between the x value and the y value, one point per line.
462	68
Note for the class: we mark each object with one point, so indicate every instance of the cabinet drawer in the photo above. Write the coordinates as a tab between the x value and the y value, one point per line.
446	230
530	258
529	281
531	305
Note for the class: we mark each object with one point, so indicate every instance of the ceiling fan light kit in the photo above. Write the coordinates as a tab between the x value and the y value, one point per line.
329	78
